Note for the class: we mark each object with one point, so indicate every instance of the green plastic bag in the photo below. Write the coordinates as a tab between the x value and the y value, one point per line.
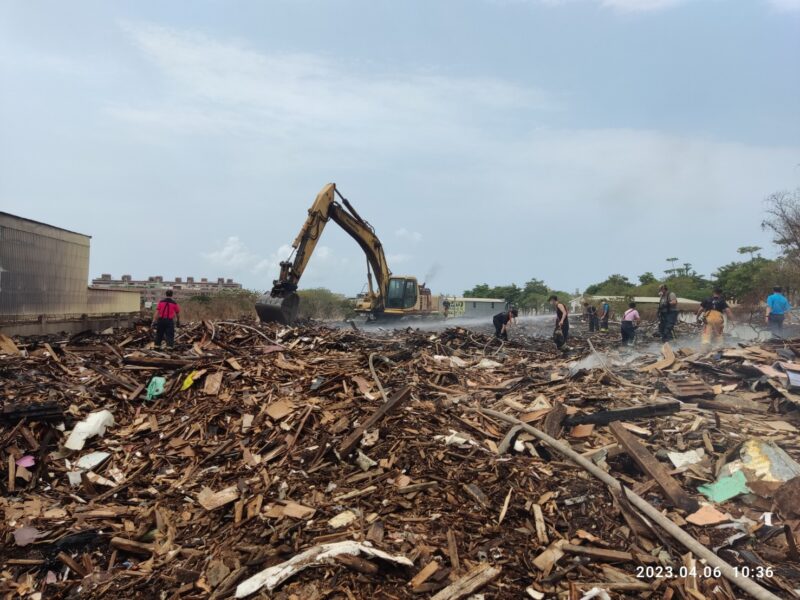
155	387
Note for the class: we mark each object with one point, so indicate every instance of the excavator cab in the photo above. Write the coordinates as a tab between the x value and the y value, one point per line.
402	293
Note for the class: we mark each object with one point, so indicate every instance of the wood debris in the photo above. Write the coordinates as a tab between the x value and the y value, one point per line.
279	467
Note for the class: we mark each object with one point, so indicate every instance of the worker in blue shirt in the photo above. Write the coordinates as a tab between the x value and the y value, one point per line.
605	313
777	307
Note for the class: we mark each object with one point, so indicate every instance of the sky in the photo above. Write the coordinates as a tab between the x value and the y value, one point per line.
487	141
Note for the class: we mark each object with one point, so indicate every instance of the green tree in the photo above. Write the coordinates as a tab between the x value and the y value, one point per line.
479	291
672	269
747	282
783	220
647	278
615	285
321	303
692	286
509	293
534	294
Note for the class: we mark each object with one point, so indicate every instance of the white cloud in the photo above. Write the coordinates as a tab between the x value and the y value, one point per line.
405	234
445	146
236	258
234	254
213	86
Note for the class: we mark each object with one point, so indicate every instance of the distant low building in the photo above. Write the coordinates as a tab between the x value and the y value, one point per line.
152	289
475	307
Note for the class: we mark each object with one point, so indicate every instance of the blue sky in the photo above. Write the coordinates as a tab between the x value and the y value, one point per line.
487	140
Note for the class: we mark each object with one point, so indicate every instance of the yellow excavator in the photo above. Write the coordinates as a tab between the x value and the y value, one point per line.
392	297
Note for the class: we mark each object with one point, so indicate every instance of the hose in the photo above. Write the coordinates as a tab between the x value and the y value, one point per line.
258	331
375	375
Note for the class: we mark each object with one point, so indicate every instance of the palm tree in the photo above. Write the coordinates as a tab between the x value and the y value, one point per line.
751	250
672	271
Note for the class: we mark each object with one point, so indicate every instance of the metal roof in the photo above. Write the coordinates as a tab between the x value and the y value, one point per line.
5	214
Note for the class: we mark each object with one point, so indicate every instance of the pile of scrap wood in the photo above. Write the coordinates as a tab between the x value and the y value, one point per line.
312	462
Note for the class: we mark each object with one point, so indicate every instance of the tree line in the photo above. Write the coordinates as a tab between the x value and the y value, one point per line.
746	281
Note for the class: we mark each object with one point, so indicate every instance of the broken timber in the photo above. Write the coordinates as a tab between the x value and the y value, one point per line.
48	411
605	417
161	363
351	441
650	465
606	555
472	581
748	585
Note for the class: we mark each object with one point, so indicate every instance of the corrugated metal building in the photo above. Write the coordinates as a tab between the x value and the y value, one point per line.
44	270
44	274
475	307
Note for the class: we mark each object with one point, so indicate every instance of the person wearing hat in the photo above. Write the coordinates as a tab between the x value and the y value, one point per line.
777	308
501	322
667	313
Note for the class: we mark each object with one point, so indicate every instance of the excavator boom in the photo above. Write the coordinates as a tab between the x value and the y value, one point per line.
282	303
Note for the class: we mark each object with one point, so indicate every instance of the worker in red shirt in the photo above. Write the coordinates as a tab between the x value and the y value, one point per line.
166	317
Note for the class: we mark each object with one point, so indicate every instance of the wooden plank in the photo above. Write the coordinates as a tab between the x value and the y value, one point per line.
541	527
605	417
472	581
127	384
554	419
48	411
132	546
72	563
213	383
664	363
416	487
452	550
693	387
352	440
7	346
423	575
375	532
737	407
12	473
51	352
650	465
357	564
162	363
608	555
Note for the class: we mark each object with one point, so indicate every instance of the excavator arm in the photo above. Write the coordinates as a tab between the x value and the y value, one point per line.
282	303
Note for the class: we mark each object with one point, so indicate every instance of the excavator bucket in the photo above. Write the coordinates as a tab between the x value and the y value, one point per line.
278	310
